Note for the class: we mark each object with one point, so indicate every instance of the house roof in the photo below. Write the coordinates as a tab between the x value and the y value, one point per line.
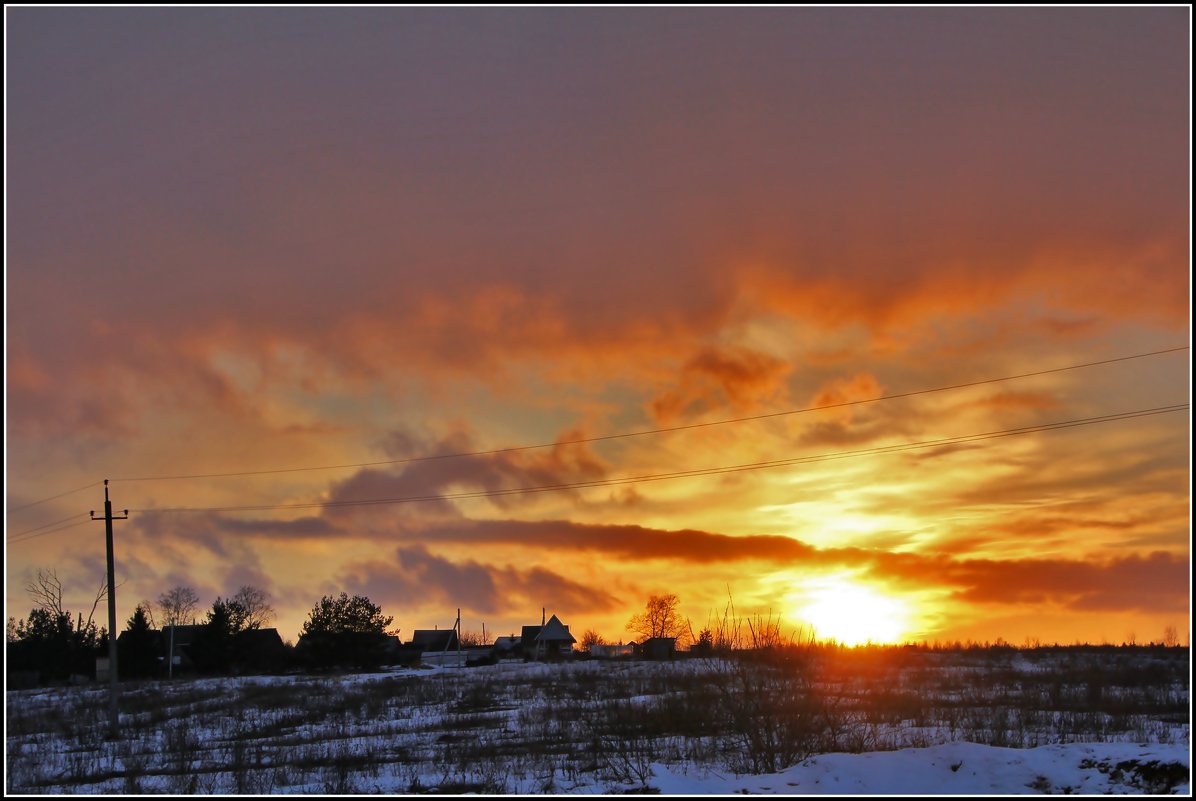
555	631
262	637
183	634
153	633
435	639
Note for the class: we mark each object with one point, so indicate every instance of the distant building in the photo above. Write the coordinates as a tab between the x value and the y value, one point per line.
261	650
177	640
252	650
658	649
507	647
434	640
550	641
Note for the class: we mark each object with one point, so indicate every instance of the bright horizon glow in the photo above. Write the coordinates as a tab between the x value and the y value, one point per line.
850	613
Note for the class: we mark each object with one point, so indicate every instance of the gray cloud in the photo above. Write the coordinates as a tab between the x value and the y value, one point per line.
418	576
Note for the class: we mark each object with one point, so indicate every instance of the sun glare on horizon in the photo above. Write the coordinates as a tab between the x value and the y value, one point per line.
850	613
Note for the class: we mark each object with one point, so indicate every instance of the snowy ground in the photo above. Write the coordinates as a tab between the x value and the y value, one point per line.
882	722
962	769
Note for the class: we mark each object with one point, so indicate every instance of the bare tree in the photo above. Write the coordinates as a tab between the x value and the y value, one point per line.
659	618
590	639
472	639
46	592
147	607
178	606
252	601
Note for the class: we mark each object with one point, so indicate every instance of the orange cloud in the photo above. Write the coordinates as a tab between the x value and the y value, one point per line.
1157	581
1075	285
1019	400
716	378
265	284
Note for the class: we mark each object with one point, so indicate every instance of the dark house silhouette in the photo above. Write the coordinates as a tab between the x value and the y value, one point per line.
251	650
549	641
260	649
183	637
435	639
659	649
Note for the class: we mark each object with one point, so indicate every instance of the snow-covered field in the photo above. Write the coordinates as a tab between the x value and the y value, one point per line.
865	721
962	768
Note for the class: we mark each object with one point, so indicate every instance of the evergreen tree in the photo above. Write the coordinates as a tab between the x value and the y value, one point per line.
346	614
213	649
344	631
139	648
53	645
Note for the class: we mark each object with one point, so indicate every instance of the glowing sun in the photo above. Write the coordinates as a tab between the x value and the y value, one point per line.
853	614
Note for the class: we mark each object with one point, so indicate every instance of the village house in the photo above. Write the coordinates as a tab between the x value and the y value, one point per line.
435	640
658	649
551	640
261	649
507	647
177	640
436	646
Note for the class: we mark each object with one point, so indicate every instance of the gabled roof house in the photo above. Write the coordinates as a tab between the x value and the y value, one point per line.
550	641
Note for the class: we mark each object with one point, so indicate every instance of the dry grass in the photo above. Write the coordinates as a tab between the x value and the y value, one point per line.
506	729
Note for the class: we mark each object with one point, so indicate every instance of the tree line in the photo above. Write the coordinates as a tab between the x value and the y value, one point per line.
53	641
53	644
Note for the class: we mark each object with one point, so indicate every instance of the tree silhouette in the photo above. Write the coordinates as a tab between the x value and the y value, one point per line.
257	610
231	640
659	618
344	631
138	647
590	639
215	646
178	606
46	592
345	614
50	642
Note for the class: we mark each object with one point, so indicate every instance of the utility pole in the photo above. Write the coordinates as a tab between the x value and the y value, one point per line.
113	717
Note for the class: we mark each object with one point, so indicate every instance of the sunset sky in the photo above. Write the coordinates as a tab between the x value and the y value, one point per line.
260	241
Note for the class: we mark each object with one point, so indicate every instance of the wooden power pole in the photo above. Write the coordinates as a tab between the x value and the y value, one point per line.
113	690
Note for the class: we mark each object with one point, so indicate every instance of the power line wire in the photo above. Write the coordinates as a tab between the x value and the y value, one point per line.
606	437
611	482
967	438
52	497
45	525
646	432
16	541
